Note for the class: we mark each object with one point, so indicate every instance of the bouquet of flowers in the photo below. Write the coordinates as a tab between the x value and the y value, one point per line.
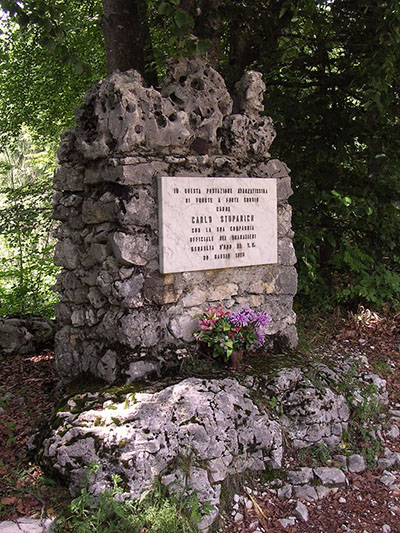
224	332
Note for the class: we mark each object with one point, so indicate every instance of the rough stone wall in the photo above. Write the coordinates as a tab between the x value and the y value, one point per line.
116	310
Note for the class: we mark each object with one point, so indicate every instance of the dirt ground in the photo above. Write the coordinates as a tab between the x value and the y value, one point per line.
28	397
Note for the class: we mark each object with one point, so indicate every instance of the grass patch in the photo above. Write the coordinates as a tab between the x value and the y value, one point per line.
157	511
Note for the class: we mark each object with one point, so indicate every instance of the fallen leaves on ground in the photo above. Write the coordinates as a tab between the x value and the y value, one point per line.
26	403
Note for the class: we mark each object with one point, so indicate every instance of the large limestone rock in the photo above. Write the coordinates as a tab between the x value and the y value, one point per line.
23	334
313	411
27	525
193	434
311	414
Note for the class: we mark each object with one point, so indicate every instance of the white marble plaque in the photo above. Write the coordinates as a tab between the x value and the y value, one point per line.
208	223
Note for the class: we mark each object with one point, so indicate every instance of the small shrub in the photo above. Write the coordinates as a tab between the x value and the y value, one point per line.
156	511
313	456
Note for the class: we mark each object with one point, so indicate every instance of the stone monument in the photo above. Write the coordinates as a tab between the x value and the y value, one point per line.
168	201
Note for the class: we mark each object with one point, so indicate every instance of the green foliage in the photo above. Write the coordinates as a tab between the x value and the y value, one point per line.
27	271
315	455
155	512
370	408
381	366
174	32
331	69
335	100
366	409
51	55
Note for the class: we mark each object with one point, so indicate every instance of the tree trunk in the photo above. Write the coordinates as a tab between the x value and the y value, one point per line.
127	37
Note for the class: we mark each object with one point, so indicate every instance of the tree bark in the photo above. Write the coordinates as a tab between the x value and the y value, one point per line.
127	37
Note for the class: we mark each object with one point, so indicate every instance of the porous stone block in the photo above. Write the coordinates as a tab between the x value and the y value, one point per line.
141	436
305	492
113	297
96	211
15	338
139	328
68	200
132	249
107	366
139	210
132	175
66	254
277	169
286	252
184	84
300	476
285	522
287	281
128	292
301	512
285	221
182	324
140	370
284	188
69	178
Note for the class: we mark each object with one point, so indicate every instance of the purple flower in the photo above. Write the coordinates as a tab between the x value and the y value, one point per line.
260	338
238	320
262	319
249	313
244	317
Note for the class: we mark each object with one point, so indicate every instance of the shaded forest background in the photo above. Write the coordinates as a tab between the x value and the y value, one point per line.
332	75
